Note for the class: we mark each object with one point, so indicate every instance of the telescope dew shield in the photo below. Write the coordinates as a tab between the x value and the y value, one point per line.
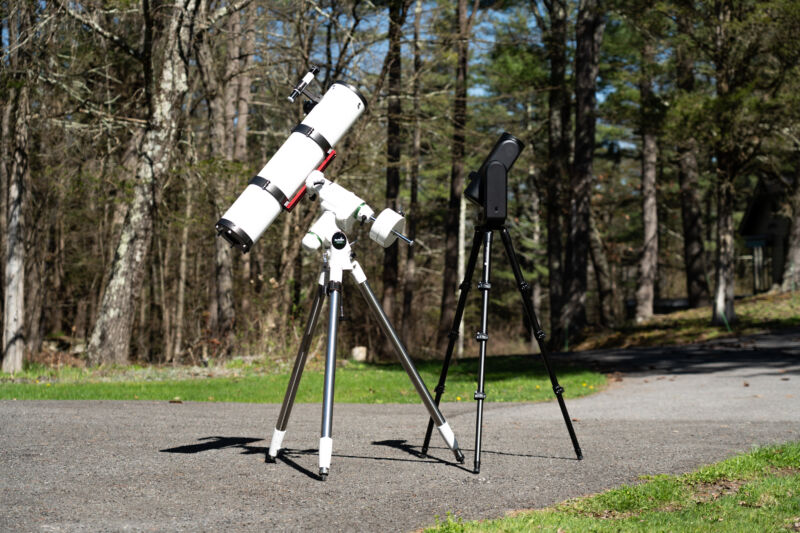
283	175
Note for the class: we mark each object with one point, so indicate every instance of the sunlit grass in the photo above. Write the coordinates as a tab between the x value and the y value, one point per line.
755	314
758	491
508	379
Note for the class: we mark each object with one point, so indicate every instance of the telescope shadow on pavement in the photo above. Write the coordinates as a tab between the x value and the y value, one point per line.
206	444
408	448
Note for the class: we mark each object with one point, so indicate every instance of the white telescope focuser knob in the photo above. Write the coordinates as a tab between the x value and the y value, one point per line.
385	226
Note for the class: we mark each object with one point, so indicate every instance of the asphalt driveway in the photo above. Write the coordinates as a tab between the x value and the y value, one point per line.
142	466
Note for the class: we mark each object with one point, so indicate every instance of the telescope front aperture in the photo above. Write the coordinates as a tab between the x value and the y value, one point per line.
234	235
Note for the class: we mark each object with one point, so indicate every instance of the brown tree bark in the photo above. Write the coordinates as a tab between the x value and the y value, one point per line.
166	87
602	272
449	279
558	151
694	255
13	350
220	95
416	155
589	35
648	260
14	278
394	144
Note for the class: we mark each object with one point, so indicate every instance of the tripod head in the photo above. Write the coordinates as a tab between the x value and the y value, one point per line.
488	187
342	209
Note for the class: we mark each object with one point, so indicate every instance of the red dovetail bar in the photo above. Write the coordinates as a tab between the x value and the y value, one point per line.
289	205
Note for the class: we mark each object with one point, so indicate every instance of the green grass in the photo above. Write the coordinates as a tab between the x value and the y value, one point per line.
758	491
756	314
509	379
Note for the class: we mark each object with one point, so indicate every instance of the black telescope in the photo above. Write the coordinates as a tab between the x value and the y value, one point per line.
488	187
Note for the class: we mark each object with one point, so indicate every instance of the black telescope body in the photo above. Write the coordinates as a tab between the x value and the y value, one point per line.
488	187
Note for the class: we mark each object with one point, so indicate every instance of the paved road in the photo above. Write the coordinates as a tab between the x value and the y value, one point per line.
114	466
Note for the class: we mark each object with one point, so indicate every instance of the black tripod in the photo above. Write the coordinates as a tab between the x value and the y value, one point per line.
484	233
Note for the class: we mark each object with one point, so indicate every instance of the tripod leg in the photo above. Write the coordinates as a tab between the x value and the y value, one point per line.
462	302
325	440
483	338
442	425
524	290
297	372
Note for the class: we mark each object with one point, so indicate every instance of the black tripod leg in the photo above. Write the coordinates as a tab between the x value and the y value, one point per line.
325	440
462	302
442	425
483	338
524	290
297	372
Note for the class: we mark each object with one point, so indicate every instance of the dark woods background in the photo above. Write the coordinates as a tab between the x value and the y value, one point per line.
128	128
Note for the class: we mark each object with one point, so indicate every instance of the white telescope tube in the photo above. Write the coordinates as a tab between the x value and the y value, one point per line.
283	175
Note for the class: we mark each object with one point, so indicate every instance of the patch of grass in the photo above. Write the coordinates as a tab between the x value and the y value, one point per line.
757	314
758	491
508	379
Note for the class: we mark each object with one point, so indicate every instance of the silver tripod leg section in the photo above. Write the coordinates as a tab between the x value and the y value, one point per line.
297	371
408	365
325	440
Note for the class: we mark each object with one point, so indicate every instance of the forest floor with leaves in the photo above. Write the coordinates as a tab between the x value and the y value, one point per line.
754	314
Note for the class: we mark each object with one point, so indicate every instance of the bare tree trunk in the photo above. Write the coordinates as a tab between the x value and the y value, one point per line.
558	147
180	306
724	278
692	219
14	283
694	254
791	266
244	94
416	155
589	34
648	261
602	272
221	108
450	282
727	167
394	112
110	339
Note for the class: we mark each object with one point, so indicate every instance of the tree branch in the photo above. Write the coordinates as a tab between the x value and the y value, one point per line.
222	12
95	27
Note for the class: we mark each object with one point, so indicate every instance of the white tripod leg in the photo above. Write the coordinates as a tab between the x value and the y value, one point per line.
297	371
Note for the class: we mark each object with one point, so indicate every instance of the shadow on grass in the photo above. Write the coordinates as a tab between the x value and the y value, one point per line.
498	367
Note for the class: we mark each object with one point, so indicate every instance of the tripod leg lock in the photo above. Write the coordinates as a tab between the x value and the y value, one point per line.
439	389
540	335
481	336
484	285
334	286
559	390
524	288
453	334
479	395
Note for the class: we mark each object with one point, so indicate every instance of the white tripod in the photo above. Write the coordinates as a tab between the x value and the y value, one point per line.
342	209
